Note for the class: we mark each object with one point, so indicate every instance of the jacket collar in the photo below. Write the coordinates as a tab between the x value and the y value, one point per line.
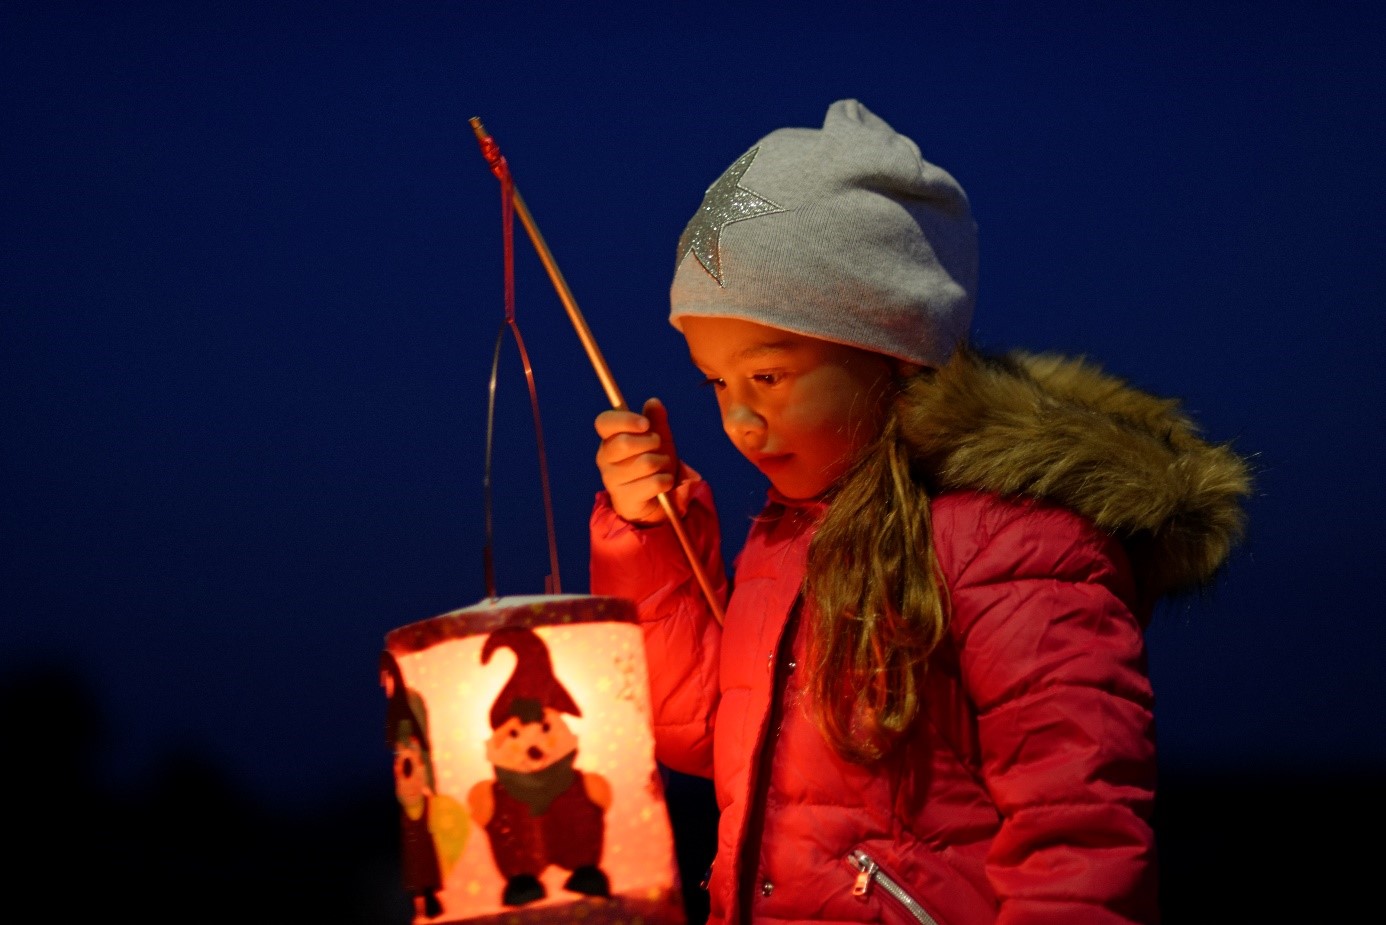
1063	430
814	507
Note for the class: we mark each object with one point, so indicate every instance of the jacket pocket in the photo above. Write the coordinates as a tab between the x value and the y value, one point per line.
871	876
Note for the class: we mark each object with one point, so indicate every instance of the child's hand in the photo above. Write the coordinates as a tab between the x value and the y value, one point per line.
637	460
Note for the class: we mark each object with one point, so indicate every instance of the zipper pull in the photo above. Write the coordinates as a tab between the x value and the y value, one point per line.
868	866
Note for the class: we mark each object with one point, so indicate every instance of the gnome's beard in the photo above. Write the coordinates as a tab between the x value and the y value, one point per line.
538	789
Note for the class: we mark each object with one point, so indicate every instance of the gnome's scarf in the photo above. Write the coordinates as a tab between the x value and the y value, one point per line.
538	789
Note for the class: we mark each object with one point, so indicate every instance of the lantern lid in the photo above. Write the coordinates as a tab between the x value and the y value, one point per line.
528	610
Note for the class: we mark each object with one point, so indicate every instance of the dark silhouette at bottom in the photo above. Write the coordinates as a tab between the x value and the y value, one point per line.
1236	849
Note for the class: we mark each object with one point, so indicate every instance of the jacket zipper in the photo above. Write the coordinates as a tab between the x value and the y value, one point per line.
868	870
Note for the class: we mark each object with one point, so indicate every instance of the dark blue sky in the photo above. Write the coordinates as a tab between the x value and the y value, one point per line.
250	277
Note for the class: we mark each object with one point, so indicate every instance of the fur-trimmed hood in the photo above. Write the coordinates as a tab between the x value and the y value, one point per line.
1062	429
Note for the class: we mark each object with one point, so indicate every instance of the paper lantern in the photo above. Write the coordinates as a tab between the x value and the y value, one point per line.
524	765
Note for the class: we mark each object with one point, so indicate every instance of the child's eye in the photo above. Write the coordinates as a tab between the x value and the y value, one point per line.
716	384
769	378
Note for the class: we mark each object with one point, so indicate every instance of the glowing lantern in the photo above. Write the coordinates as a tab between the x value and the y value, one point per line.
524	765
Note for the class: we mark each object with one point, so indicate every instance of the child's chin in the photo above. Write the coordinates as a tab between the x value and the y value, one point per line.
796	491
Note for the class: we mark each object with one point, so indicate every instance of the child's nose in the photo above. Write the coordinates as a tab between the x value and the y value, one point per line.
741	420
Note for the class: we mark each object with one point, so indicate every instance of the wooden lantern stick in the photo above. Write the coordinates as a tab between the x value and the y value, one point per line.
589	343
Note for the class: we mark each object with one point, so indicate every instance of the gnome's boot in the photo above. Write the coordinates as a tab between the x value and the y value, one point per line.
521	889
590	880
432	907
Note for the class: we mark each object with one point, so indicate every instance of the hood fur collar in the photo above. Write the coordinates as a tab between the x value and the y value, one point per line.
1062	429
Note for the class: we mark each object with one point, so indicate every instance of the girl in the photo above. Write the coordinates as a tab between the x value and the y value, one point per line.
929	699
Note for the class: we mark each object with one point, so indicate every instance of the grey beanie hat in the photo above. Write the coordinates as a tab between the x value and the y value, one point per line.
844	233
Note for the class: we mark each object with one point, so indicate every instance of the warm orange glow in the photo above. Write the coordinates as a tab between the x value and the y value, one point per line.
598	657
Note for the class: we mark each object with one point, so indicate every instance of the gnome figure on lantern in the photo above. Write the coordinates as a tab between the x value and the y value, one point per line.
433	826
539	809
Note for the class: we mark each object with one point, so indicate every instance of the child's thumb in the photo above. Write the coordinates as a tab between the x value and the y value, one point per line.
658	416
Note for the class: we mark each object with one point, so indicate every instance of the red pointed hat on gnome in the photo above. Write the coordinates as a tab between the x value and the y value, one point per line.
532	686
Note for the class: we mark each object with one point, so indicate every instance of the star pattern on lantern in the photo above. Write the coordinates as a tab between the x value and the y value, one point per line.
725	201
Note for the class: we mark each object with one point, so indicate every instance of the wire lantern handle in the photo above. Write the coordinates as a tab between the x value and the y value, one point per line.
552	583
512	197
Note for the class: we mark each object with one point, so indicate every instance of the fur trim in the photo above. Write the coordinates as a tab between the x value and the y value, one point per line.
1061	429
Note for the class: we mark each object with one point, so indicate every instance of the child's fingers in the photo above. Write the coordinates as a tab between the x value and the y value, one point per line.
621	466
636	460
624	457
613	422
635	484
658	417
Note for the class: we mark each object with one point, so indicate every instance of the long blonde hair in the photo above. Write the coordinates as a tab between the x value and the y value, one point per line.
877	604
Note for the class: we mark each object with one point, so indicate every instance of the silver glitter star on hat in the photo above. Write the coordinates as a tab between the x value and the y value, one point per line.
725	201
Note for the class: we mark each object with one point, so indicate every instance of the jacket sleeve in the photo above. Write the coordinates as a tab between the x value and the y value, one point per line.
647	565
1055	663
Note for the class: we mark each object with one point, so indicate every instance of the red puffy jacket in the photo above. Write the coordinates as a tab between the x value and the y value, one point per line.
1025	791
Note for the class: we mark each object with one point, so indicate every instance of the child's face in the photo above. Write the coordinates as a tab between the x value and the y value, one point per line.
797	407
